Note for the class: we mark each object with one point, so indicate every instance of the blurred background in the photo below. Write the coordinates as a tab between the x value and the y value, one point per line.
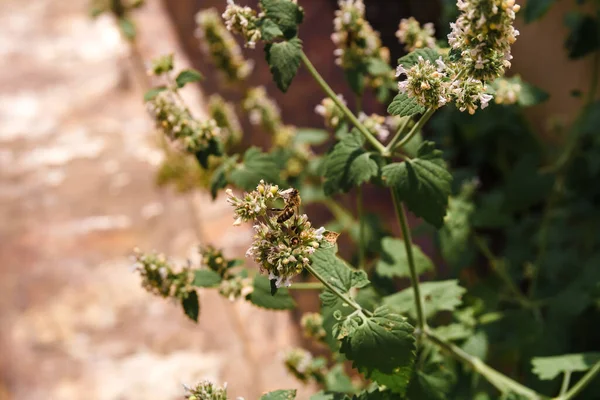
78	191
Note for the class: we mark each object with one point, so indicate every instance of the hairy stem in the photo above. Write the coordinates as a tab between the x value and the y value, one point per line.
398	134
414	278
582	383
351	117
339	294
502	382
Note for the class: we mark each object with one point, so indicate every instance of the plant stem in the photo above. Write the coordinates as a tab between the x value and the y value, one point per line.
565	383
414	278
502	382
327	89
398	134
581	384
415	129
306	286
361	228
339	294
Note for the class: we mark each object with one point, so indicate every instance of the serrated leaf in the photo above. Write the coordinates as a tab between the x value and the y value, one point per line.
455	233
311	136
394	260
261	296
364	342
404	106
348	165
286	14
191	305
289	394
188	76
269	30
284	60
256	166
127	28
206	278
412	58
423	183
336	380
437	296
548	368
152	93
535	9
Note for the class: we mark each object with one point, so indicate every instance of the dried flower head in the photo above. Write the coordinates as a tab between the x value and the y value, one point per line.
243	21
413	36
218	43
483	34
159	276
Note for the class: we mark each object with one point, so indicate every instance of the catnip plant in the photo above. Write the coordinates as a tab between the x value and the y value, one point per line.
422	342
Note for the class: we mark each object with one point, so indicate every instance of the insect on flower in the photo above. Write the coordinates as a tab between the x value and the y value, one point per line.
292	204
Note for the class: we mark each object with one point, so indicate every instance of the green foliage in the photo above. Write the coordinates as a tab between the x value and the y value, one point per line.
284	60
404	106
584	35
206	278
255	166
127	27
280	395
548	368
437	296
394	260
152	93
423	183
191	305
262	297
188	76
535	9
413	57
285	14
348	165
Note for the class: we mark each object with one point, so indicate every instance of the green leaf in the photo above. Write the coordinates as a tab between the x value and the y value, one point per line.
329	396
206	278
269	30
454	235
364	342
394	260
191	305
289	394
285	14
583	37
336	380
152	93
311	136
376	67
404	106
127	27
412	58
256	166
188	76
531	95
348	165
453	332
535	9
213	149
284	60
261	295
437	296
548	368
423	183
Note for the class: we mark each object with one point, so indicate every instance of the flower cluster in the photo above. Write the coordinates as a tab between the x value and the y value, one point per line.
375	124
160	278
468	94
244	21
304	366
262	110
162	65
236	287
227	120
507	90
220	45
413	36
483	34
213	259
177	123
312	326
206	391
331	113
425	82
281	248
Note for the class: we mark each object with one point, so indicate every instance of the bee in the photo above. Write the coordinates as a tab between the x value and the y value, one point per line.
292	204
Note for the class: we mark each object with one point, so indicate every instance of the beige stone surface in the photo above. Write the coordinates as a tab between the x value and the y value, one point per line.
77	194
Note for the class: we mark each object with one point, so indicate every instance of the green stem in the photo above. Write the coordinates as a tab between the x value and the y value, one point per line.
502	382
415	129
582	383
327	89
339	294
565	383
414	278
361	228
306	286
398	134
